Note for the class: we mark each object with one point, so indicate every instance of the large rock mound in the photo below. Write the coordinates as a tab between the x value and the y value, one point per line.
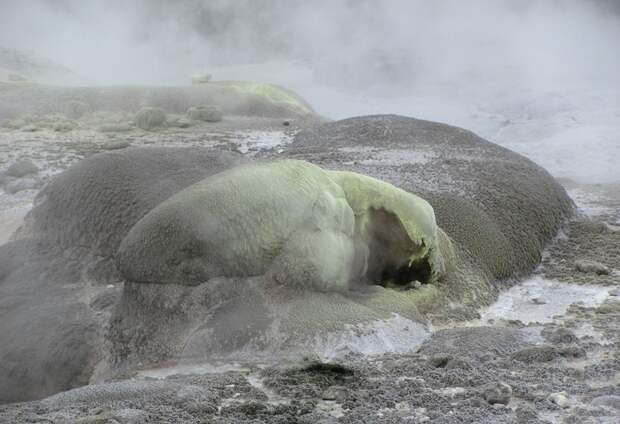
497	209
499	205
290	220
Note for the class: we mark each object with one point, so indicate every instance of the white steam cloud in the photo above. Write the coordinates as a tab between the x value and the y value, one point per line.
541	77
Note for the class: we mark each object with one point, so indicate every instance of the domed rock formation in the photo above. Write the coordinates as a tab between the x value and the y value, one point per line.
233	98
289	220
494	210
58	284
500	206
149	118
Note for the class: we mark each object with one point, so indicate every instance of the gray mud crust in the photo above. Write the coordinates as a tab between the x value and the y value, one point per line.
58	284
460	375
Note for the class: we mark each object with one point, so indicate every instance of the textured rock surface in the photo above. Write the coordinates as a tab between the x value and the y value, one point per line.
291	220
485	197
51	335
149	118
72	235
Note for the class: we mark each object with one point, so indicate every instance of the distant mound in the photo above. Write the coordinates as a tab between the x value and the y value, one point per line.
21	66
239	98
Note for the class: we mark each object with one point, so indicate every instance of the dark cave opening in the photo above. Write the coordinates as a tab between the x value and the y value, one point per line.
403	276
389	253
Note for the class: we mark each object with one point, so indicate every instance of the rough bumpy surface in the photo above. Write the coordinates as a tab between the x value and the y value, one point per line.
59	282
53	282
205	113
96	202
149	118
244	222
291	220
501	207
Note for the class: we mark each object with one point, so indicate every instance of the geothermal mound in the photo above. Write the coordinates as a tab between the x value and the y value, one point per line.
152	254
500	206
239	98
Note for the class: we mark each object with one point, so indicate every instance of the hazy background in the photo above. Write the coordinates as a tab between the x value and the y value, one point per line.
541	77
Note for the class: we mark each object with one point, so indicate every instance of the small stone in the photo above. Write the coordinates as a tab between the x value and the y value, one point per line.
525	414
252	408
14	124
105	300
286	123
205	113
75	109
149	118
572	352
538	301
403	409
459	364
561	335
560	399
337	393
22	184
439	361
543	353
181	123
116	145
609	401
131	416
118	127
421	411
63	126
452	392
201	78
21	168
591	267
415	284
103	418
189	393
16	77
609	308
202	408
611	228
497	393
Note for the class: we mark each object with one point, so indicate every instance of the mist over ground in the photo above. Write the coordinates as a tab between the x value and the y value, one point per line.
540	77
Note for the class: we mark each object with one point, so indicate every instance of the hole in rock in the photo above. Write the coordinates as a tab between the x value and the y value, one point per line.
389	253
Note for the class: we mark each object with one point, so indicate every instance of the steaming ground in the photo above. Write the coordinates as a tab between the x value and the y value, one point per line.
543	84
552	339
571	128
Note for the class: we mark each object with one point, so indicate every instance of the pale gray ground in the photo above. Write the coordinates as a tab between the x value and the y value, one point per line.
566	370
